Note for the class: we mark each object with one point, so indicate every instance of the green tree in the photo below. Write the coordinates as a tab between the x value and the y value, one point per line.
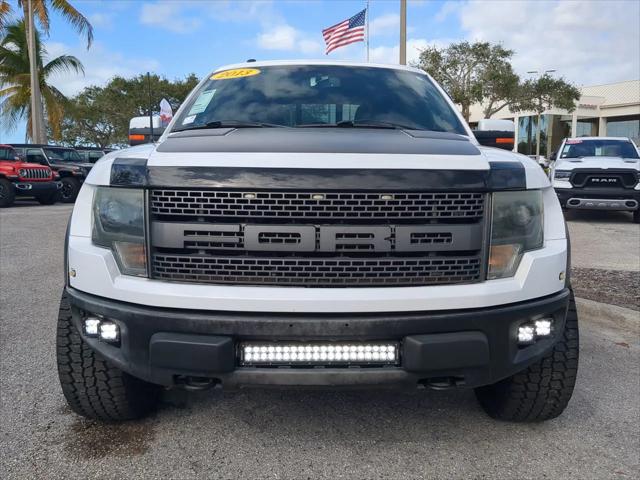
15	89
500	88
470	72
99	116
545	93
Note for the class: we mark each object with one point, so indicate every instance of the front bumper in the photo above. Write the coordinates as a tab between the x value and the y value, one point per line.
470	347
33	189
599	198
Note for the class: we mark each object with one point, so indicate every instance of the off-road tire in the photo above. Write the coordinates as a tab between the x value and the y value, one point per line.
7	195
69	190
94	388
48	199
636	215
543	390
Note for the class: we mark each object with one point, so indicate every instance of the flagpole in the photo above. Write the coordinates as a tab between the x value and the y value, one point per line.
367	20
403	32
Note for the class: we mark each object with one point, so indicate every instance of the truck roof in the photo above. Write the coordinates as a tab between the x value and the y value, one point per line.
625	139
269	63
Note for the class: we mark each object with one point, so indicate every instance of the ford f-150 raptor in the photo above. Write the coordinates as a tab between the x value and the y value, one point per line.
317	224
598	173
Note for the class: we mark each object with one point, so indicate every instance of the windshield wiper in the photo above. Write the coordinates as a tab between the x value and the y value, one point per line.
365	124
228	124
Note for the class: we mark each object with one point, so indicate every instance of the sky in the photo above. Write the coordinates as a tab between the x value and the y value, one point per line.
587	42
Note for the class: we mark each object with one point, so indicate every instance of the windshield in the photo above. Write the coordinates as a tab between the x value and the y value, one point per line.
63	154
316	96
598	148
7	153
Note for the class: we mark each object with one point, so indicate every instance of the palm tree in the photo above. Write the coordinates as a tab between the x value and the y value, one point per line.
40	9
15	89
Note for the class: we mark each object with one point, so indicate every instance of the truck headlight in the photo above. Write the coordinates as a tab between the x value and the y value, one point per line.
562	174
516	227
118	224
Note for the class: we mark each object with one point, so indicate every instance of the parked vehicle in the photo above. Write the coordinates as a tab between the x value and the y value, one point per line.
22	179
92	154
598	173
63	160
317	224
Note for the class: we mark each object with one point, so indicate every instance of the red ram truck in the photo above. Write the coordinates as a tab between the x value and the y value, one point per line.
22	179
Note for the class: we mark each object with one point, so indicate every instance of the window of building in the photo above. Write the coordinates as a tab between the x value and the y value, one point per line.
624	127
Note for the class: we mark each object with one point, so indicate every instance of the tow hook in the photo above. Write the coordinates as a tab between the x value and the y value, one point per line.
195	383
443	383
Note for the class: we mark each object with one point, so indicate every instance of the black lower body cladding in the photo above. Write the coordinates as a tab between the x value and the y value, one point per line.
601	198
474	347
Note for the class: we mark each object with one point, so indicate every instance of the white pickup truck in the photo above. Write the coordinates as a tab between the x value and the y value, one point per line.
598	173
317	224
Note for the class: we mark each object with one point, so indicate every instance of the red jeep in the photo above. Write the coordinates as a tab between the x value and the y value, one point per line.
19	178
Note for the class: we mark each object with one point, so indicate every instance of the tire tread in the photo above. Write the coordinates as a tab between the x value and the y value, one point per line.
92	387
543	390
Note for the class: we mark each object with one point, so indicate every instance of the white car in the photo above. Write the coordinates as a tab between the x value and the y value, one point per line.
317	224
598	173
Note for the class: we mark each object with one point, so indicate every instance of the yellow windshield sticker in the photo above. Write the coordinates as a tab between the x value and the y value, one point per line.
236	73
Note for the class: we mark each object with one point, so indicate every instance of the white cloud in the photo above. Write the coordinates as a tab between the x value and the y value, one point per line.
587	42
449	7
284	37
101	19
385	25
391	54
169	16
100	65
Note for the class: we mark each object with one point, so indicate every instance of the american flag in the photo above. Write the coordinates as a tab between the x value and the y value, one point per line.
344	33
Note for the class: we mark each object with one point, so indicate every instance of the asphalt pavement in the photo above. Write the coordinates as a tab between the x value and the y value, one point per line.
310	434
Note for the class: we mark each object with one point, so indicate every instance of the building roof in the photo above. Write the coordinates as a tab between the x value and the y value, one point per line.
615	94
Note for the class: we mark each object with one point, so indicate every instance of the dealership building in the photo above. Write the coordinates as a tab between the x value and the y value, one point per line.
603	110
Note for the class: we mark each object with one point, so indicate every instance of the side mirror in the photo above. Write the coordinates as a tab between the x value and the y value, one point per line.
140	130
496	133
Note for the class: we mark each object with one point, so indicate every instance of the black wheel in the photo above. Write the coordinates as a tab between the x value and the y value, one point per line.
48	199
636	216
543	390
70	189
7	195
92	387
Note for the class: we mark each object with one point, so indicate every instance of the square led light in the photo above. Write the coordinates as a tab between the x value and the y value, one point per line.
526	334
318	353
543	327
109	332
91	326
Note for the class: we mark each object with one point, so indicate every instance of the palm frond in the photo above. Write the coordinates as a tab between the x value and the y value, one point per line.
74	17
5	11
63	64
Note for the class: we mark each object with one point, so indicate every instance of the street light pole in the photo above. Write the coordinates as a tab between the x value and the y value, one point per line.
403	32
37	117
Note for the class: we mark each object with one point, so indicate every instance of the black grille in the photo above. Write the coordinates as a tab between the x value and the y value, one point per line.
174	204
317	272
34	173
598	178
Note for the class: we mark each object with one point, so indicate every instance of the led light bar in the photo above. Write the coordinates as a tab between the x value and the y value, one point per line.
318	353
